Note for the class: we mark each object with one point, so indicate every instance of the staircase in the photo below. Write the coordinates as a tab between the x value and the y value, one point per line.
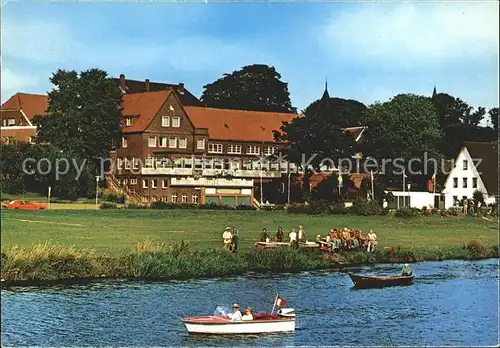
130	196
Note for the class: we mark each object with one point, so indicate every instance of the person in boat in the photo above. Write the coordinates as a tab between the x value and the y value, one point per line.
372	240
227	237
248	314
280	235
264	236
235	240
406	271
236	315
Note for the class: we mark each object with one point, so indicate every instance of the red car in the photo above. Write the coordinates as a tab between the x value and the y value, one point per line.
26	205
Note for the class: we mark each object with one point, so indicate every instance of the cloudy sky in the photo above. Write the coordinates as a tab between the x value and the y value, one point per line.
368	51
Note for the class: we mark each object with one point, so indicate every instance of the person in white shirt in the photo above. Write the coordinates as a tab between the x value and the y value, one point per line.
301	234
248	314
236	315
372	240
227	236
293	236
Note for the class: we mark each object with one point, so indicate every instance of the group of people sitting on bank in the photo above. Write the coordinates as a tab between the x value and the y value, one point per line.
348	239
295	235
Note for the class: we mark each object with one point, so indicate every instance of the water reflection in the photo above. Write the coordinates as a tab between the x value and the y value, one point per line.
451	303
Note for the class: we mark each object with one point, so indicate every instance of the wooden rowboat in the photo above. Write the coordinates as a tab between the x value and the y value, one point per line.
367	282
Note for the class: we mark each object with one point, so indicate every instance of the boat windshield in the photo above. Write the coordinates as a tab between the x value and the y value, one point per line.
222	311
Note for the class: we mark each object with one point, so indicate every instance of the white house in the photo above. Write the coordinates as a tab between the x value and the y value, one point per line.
476	168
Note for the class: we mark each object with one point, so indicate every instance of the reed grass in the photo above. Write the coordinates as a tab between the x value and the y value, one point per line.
159	261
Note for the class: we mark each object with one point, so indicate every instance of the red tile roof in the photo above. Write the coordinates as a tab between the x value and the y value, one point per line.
226	124
31	104
146	104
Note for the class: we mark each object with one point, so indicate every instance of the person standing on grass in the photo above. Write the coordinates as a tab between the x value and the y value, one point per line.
301	234
235	240
280	235
264	236
227	237
372	240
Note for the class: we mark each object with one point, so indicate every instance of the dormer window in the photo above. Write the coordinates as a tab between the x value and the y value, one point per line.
176	121
128	121
165	121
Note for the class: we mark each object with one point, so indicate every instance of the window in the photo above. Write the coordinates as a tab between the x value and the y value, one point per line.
194	199
119	163
455	182
145	198
172	142
184	198
135	163
127	163
165	121
176	121
152	142
163	199
125	181
183	143
215	148
11	122
144	183
4	122
174	198
234	149
474	182
253	150
270	150
133	181
154	183
162	141
154	198
464	182
465	164
200	144
128	121
124	142
164	183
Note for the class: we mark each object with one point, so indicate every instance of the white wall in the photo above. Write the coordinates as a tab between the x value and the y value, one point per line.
460	173
417	199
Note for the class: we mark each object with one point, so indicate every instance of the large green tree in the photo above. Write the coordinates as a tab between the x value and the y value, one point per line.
405	127
254	87
345	112
83	115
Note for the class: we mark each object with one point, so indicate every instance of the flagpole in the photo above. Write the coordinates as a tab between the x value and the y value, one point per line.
373	191
274	305
404	184
434	190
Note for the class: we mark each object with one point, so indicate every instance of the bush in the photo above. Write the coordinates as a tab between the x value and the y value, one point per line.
338	209
364	208
107	205
113	196
136	206
407	213
244	207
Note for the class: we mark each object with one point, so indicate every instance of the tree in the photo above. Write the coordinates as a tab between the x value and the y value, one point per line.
315	139
254	87
405	127
345	112
494	118
83	115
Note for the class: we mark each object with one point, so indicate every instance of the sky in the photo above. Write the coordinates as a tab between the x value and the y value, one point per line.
368	51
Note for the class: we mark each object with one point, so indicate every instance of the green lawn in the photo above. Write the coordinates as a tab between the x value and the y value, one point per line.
117	231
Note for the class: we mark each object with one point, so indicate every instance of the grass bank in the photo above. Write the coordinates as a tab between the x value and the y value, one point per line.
47	263
116	232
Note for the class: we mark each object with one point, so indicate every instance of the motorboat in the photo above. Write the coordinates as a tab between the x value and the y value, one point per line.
366	282
220	324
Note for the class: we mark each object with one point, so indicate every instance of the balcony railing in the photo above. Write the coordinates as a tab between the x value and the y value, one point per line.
236	173
211	182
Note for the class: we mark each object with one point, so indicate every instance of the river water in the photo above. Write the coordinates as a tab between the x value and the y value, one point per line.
451	303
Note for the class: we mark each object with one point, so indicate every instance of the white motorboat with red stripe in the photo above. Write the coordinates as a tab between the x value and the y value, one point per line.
220	324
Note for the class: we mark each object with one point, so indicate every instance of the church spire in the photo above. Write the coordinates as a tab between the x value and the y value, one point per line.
326	95
434	92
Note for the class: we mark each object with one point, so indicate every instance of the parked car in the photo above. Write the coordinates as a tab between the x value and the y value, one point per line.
26	205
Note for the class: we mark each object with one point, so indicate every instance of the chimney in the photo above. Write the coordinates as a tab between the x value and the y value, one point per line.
146	85
123	84
181	88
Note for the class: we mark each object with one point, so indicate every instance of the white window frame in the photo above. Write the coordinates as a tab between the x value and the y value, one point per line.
163	143
465	164
11	122
465	182
184	198
144	183
127	163
124	142
270	150
125	181
154	183
181	141
165	121
119	163
253	150
215	148
174	144
174	198
149	141
195	199
202	142
135	163
164	183
133	181
234	149
128	121
176	121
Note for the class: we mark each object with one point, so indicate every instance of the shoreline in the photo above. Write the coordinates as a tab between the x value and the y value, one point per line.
29	269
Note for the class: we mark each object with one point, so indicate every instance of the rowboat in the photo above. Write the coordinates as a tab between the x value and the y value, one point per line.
366	282
219	324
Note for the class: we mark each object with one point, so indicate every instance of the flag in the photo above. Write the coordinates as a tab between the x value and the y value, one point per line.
280	302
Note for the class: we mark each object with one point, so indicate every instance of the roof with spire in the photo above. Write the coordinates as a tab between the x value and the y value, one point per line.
325	95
